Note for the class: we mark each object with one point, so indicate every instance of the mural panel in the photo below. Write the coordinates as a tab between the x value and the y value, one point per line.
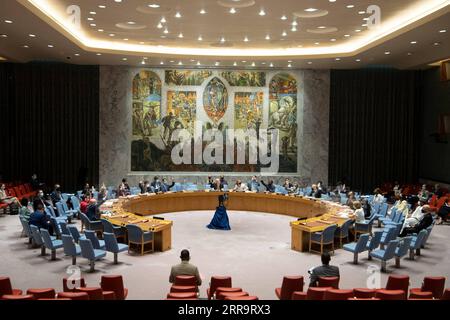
215	99
182	107
248	110
245	78
187	77
283	116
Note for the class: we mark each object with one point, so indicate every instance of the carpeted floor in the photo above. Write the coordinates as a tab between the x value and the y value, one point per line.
256	253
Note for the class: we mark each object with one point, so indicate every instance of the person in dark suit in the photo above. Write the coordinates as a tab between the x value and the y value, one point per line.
92	210
39	219
270	186
426	221
165	187
155	186
315	192
325	270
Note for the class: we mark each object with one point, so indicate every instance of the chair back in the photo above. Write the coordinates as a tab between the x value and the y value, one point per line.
332	282
418	239
436	285
107	226
393	214
390	250
289	285
50	212
60	208
114	283
383	210
26	228
345	227
398	217
110	242
389	234
85	220
188	281
91	235
87	250
75	202
135	233
217	282
74	232
398	282
336	294
390	294
362	243
69	245
94	293
63	227
403	247
56	226
316	293
36	235
47	239
5	286
328	233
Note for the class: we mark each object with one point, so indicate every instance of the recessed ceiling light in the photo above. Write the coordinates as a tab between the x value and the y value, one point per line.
350	6
100	30
413	42
126	39
311	10
161	63
409	54
271	65
203	11
141	42
90	19
26	47
316	43
200	38
361	12
364	25
159	26
246	39
309	62
8	21
263	63
180	36
77	54
166	31
178	15
93	12
143	62
358	60
244	61
145	58
217	63
163	20
32	35
99	54
443	31
3	36
267	37
253	64
235	64
366	19
50	46
93	25
387	52
232	10
118	1
124	59
154	5
332	0
289	65
102	6
163	37
333	40
112	35
358	30
262	12
321	27
283	18
295	23
338	59
198	63
346	35
180	63
131	22
222	39
294	28
437	43
284	34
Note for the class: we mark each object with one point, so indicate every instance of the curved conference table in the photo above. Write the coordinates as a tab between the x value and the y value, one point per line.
312	214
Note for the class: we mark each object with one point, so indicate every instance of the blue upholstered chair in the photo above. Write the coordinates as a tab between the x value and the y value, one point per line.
138	237
51	213
357	247
416	243
374	242
385	255
64	230
37	239
429	229
342	232
113	246
90	225
62	210
402	250
71	248
75	234
391	217
366	226
27	230
382	213
119	232
56	227
389	233
75	204
97	244
50	244
88	252
323	238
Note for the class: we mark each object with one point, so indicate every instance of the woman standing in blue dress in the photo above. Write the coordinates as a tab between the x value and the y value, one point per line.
220	219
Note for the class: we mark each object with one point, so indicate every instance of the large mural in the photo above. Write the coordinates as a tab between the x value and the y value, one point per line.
283	116
217	101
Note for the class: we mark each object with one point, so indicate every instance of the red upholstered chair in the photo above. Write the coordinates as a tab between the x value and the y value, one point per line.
364	293
337	294
329	282
222	290
47	293
383	294
367	299
446	295
216	282
95	293
242	298
6	287
225	295
187	295
73	295
73	284
114	283
290	284
184	284
298	295
316	293
398	282
17	297
435	285
422	295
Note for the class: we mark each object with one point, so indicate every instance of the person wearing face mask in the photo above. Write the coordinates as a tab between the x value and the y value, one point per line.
39	219
253	185
56	194
156	185
165	187
39	199
270	186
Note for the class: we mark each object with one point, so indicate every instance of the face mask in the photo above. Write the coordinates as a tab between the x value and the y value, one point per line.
40	194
